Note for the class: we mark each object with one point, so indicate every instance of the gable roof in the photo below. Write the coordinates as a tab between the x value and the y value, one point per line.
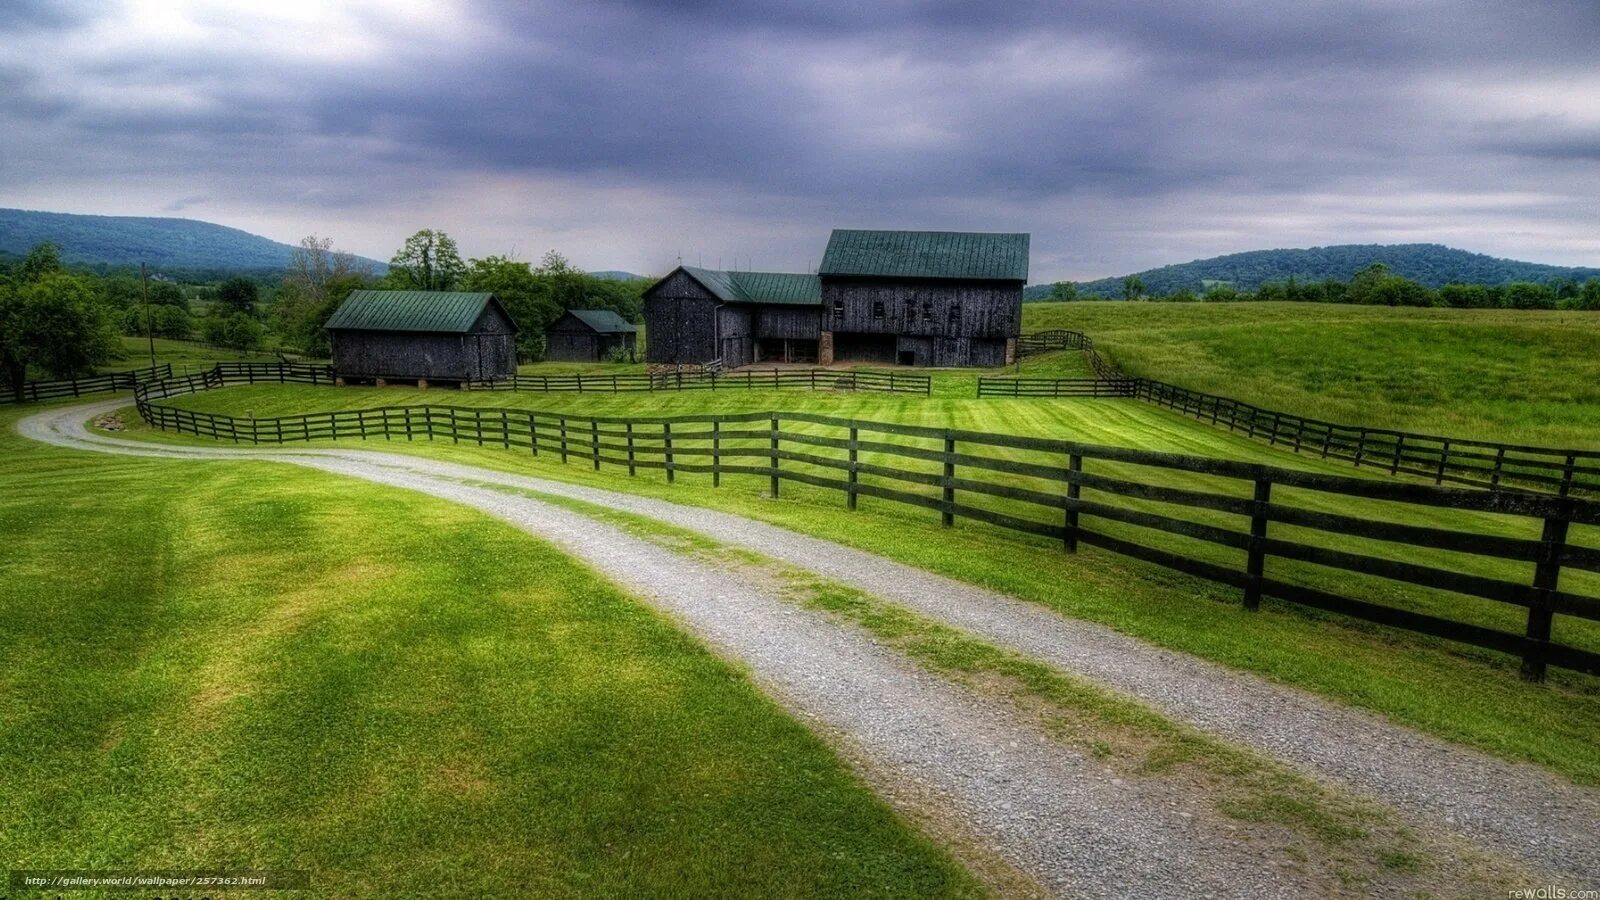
603	321
780	288
927	254
449	312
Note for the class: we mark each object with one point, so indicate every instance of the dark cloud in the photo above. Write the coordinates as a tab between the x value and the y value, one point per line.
1113	130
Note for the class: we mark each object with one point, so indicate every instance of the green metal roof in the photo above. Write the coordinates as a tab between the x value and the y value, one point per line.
603	320
436	311
927	254
781	288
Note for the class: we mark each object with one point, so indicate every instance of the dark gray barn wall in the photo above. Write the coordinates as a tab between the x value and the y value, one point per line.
401	354
736	347
802	322
989	309
918	314
680	318
495	347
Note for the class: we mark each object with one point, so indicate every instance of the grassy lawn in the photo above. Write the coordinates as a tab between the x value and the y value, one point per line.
1507	375
1466	695
222	665
185	357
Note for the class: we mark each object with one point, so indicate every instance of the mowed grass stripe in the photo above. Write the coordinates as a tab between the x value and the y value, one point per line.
226	665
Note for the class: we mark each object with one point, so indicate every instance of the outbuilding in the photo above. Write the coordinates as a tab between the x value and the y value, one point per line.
422	336
588	335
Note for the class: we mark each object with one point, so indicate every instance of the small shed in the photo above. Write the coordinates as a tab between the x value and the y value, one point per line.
588	335
422	336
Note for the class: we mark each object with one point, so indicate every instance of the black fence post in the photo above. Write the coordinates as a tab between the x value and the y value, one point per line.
533	433
1255	566
1361	447
666	443
1541	608
1566	474
563	421
1074	491
594	442
774	456
716	451
949	510
854	476
631	467
1399	449
1444	458
1499	466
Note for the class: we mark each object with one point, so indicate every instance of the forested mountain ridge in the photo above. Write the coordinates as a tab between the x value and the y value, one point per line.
127	241
1432	265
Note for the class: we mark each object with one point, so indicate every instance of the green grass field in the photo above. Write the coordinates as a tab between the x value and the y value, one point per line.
1518	376
185	357
1453	691
217	666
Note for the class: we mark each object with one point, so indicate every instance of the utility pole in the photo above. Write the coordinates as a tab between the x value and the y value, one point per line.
149	319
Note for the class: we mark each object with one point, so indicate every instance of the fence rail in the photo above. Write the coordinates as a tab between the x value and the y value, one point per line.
1444	460
1046	487
76	387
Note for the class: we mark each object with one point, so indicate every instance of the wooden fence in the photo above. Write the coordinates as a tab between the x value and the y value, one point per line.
230	373
1046	487
1444	460
92	384
776	379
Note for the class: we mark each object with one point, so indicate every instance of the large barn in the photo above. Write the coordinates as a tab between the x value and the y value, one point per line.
919	298
422	336
588	335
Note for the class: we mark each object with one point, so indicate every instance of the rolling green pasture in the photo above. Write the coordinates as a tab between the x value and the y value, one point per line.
185	357
230	666
1457	692
1519	376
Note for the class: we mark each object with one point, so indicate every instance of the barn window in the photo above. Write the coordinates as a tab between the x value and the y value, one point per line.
927	310
911	311
955	314
877	309
838	308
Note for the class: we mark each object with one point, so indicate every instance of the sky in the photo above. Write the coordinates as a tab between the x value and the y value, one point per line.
1122	134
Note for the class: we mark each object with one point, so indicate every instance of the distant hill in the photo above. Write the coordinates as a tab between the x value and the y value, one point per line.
618	275
1430	264
165	244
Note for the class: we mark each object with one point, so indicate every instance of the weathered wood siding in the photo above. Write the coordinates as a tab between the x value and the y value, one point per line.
735	345
987	309
803	322
939	323
568	339
681	318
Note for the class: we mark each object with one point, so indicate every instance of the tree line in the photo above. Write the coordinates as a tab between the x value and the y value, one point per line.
61	322
1376	285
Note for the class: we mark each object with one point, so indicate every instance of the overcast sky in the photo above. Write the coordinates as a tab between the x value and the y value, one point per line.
1123	134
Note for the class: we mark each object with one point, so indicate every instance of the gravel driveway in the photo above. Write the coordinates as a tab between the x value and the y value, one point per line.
1050	811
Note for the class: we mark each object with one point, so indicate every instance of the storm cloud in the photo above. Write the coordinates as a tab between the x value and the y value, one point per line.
1121	134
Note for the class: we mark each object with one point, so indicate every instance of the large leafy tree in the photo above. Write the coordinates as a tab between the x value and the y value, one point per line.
238	294
55	322
1132	287
526	296
429	261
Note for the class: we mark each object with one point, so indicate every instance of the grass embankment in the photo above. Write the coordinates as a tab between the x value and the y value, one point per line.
204	667
1518	376
1462	694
